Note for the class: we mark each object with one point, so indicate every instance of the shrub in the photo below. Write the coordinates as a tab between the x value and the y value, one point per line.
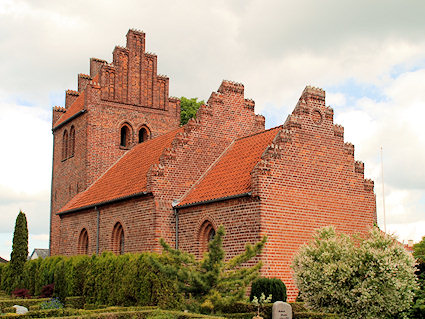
268	286
53	303
21	293
47	291
371	279
19	254
212	281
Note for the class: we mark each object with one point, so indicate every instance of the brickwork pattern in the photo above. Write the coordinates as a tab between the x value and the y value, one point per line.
135	215
97	119
305	178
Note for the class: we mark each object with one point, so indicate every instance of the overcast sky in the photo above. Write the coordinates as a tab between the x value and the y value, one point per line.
369	56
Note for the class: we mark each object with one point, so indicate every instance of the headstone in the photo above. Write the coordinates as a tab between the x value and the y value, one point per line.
20	310
281	310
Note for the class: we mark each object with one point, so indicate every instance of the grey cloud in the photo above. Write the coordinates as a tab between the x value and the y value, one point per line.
323	26
36	208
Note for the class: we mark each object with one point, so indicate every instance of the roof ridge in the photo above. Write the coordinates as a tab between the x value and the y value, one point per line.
206	171
134	149
262	132
81	95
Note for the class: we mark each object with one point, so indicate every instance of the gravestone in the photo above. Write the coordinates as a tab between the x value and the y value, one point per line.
281	310
20	310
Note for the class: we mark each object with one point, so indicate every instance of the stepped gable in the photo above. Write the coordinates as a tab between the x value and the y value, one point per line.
127	177
74	107
230	175
132	76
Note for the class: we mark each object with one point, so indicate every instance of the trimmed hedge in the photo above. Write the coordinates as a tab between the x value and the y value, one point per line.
242	310
22	302
113	313
268	286
126	280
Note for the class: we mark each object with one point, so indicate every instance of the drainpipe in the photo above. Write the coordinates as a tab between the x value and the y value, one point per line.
98	227
176	215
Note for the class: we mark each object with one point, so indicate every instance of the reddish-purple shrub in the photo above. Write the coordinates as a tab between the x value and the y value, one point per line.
47	291
21	293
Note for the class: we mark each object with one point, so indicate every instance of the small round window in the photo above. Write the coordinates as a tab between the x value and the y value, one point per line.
316	117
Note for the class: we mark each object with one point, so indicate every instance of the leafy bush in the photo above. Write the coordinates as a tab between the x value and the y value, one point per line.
158	314
53	303
76	302
268	286
47	291
211	281
371	279
21	293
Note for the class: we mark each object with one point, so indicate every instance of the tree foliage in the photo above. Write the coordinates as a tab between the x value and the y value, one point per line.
188	107
373	278
419	251
107	279
213	282
418	310
268	286
19	254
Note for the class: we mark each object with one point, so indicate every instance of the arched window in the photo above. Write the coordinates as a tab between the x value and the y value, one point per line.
118	239
125	136
83	243
72	141
206	234
143	134
65	145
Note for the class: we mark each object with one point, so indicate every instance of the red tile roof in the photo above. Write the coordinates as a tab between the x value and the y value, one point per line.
231	174
75	107
128	176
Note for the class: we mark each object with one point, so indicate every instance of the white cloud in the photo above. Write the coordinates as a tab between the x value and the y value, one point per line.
372	67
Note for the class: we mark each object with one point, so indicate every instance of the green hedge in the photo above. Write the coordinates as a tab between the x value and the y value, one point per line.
243	310
268	286
22	302
113	313
125	280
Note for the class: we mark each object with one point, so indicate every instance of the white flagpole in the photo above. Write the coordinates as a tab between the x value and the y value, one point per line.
383	190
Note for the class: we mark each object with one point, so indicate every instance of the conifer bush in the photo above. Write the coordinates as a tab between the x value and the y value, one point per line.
268	286
373	278
211	282
19	254
126	280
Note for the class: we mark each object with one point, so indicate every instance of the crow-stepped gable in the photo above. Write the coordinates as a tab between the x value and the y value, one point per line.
126	174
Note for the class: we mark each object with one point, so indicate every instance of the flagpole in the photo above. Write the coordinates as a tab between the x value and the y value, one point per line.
383	190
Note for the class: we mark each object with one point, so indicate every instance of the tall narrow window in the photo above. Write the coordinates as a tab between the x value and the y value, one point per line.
65	145
118	239
83	243
72	141
206	234
125	135
143	134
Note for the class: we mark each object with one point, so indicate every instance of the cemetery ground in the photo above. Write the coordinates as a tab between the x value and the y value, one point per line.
371	278
75	307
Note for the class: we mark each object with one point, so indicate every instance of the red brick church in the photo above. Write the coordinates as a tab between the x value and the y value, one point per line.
126	174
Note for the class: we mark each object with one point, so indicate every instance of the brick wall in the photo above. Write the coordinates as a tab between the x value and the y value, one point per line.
126	91
69	174
136	217
240	218
306	180
227	116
